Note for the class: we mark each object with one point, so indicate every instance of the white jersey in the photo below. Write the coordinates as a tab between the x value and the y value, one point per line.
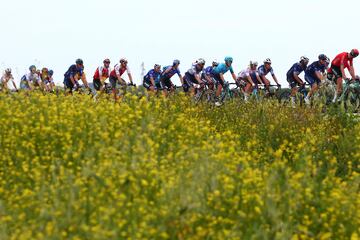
31	77
247	73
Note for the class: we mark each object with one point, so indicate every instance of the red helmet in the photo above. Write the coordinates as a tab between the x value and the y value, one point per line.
354	53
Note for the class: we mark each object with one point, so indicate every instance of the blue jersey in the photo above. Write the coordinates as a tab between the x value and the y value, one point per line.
263	71
152	74
208	70
313	68
222	68
171	73
73	70
297	68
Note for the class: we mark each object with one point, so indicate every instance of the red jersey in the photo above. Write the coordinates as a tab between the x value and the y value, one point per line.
342	58
105	72
119	70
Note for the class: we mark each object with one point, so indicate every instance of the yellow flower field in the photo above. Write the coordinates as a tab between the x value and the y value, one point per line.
72	168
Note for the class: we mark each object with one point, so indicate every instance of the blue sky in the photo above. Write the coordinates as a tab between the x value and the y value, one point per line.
55	33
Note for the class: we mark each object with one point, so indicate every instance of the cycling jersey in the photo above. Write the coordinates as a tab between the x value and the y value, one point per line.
31	77
244	74
105	73
194	70
310	72
222	68
263	71
119	70
171	73
5	79
342	59
73	70
297	68
207	71
152	74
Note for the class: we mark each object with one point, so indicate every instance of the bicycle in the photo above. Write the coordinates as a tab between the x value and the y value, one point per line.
351	95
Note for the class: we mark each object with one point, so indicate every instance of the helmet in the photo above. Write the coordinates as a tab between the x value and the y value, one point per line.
228	59
253	63
106	60
176	62
304	59
200	61
157	66
327	60
8	70
268	60
322	57
32	67
51	72
79	61
354	53
44	70
123	60
215	62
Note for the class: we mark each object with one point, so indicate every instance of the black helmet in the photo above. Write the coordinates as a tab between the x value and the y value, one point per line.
79	61
323	57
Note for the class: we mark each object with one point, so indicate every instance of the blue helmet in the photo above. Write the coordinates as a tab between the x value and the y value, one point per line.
228	59
176	62
32	67
322	57
51	72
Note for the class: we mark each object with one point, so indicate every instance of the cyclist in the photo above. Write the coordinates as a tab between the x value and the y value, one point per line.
293	78
248	79
168	73
117	72
101	74
74	74
5	80
218	74
264	70
314	75
193	76
30	80
338	65
206	75
152	79
49	81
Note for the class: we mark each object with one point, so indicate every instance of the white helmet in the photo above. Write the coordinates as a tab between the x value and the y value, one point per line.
8	70
304	59
254	63
200	61
215	62
268	60
123	60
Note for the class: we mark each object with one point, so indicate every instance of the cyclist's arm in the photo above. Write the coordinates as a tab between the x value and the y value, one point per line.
319	75
152	81
233	76
275	79
130	78
352	72
222	77
13	82
297	78
250	80
181	79
198	79
83	79
259	79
